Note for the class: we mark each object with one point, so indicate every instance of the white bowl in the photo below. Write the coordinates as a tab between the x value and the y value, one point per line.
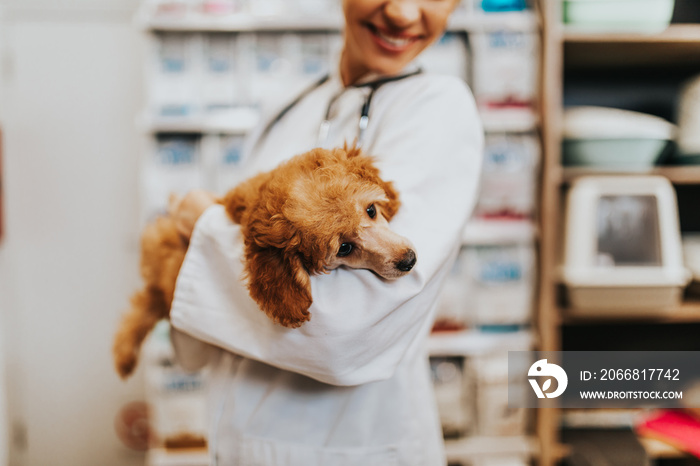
614	138
619	154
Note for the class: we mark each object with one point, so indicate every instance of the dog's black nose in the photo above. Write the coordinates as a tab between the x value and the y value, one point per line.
408	261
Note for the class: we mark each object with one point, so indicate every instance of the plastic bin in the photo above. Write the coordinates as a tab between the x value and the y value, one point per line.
622	253
647	16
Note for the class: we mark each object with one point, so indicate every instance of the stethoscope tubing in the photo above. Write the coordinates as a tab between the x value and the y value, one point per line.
324	128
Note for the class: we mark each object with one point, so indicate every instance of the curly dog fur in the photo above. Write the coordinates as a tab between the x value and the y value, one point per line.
317	211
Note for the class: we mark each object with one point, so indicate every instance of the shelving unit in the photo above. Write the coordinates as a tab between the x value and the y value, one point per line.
675	50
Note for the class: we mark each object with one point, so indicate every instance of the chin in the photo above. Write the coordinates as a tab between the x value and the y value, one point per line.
390	68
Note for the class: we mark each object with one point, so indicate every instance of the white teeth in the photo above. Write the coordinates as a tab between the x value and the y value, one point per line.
395	41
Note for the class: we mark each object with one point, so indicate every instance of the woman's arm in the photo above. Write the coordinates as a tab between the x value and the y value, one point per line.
191	354
361	326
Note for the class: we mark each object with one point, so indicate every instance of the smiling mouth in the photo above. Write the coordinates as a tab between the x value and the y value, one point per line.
395	43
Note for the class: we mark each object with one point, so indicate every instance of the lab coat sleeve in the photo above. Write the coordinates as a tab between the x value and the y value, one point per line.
430	145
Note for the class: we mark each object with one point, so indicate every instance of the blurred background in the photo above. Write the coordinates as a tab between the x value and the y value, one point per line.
583	237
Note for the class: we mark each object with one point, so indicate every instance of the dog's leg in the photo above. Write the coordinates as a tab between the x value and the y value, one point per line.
148	306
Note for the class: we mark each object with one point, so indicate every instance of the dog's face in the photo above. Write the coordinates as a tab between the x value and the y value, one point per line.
342	220
316	212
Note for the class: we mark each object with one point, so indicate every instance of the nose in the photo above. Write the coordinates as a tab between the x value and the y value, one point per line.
407	261
402	13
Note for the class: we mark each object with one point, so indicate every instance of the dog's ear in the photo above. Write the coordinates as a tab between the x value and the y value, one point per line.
280	285
391	207
235	201
277	278
240	199
364	167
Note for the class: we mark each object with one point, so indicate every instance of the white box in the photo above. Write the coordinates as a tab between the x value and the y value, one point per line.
509	177
488	285
448	56
174	166
220	69
622	252
454	393
270	69
223	155
505	68
174	76
501	284
494	416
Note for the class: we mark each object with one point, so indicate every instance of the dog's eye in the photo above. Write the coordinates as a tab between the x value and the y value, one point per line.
371	211
345	249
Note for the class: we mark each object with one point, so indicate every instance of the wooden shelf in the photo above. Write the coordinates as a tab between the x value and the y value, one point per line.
688	312
674	34
458	450
688	174
679	45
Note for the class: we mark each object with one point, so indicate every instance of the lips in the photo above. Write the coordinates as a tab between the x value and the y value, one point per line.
391	42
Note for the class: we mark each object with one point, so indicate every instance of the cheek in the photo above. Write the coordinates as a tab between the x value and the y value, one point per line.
437	19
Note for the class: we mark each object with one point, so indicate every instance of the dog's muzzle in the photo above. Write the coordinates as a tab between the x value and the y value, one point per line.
407	261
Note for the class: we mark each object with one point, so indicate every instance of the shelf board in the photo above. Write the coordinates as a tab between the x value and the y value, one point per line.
687	174
239	22
474	342
688	312
241	120
458	450
525	21
674	34
600	418
678	45
236	121
504	120
184	457
495	232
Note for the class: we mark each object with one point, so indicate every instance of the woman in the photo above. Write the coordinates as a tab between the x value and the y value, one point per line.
352	385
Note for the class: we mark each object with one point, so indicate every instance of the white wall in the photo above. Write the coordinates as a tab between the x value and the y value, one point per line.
71	88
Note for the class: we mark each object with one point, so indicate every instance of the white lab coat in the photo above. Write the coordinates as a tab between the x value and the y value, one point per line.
351	387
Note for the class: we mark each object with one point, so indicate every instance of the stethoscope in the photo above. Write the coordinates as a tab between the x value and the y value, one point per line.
324	128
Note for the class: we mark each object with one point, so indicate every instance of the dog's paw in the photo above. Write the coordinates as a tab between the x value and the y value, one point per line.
125	358
294	319
125	365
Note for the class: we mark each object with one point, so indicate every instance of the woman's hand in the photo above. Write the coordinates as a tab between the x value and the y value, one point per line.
187	209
